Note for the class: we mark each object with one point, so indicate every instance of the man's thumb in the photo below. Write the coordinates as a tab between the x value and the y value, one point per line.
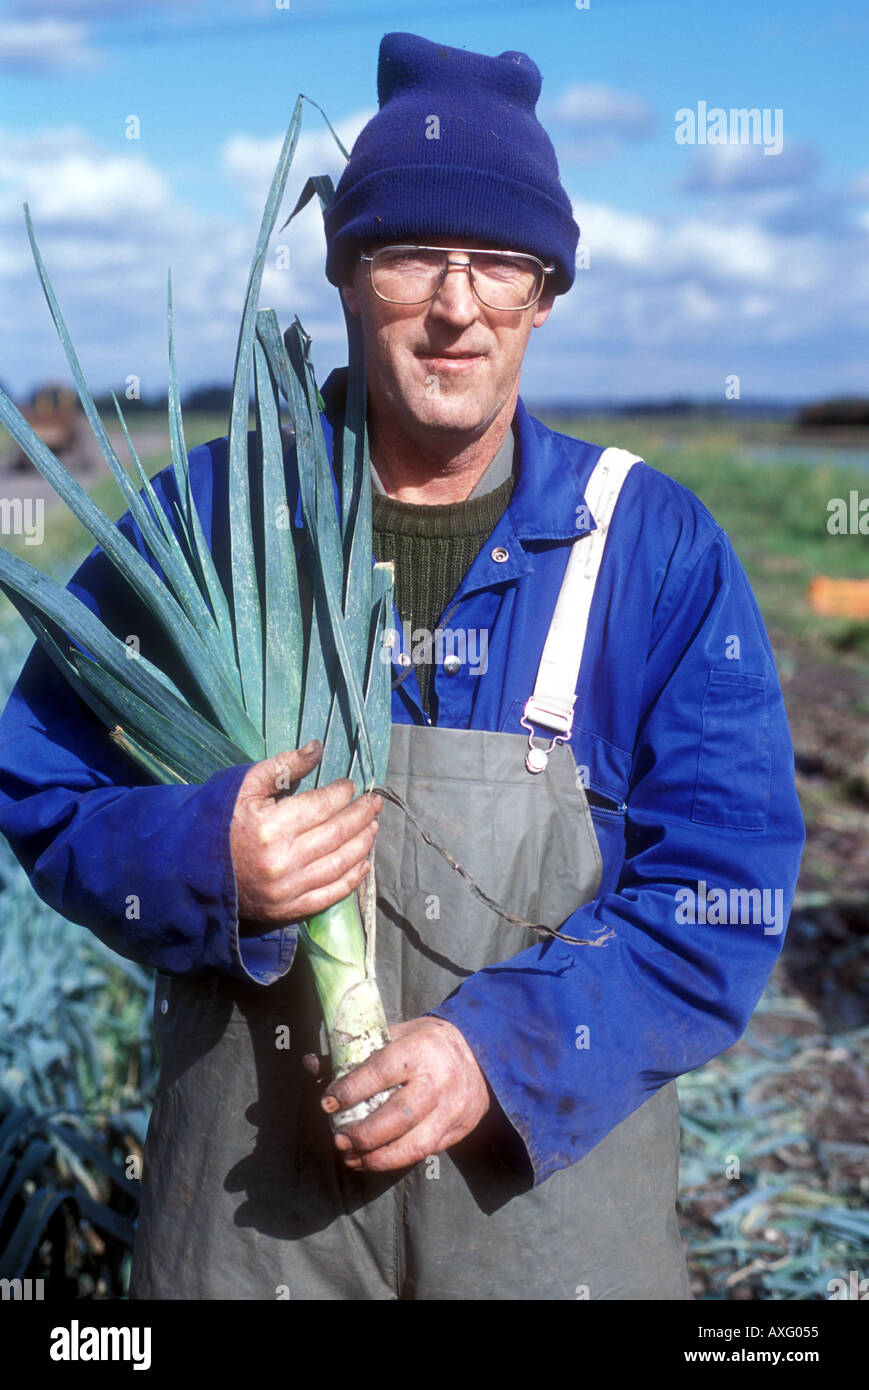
277	774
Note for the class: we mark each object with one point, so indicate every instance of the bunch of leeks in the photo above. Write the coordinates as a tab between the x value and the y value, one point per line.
267	672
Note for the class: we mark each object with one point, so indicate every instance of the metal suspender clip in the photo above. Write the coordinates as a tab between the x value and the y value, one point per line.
553	715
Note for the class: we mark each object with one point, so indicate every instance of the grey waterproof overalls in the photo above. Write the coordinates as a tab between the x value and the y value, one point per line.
243	1193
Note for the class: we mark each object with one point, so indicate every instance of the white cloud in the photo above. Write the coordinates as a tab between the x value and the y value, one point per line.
78	186
755	306
625	237
109	227
590	121
34	44
859	186
594	107
732	252
249	164
746	168
670	304
249	161
93	9
697	304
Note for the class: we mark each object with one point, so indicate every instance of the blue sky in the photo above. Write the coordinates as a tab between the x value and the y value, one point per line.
703	262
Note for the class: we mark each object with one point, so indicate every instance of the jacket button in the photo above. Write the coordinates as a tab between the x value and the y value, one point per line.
452	664
499	554
164	1006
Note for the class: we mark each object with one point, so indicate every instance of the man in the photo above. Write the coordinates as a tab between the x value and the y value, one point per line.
530	1149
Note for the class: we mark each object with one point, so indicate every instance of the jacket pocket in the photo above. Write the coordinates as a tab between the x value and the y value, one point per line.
603	804
733	769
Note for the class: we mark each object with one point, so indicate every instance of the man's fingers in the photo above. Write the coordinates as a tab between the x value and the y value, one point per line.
304	810
296	855
351	831
289	886
440	1095
272	776
391	1066
310	904
320	872
403	1112
411	1148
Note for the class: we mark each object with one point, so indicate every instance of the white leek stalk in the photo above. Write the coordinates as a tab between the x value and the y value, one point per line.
336	947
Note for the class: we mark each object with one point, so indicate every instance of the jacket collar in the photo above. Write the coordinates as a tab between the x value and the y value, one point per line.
548	501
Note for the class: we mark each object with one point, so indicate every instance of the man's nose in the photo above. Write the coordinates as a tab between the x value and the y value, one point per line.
455	298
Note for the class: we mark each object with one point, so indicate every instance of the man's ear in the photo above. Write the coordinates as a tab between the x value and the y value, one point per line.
350	286
544	307
350	296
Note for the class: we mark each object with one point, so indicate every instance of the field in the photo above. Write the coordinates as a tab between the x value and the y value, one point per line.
774	1132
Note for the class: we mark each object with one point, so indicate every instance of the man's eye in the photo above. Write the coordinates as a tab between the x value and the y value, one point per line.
500	267
412	262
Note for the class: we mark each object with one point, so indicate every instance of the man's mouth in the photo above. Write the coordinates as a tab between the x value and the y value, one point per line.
451	359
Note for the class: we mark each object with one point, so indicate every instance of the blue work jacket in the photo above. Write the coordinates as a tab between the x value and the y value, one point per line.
680	735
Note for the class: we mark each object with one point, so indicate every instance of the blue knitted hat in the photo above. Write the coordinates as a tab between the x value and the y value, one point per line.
456	150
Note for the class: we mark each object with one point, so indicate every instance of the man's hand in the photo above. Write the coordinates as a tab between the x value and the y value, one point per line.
443	1097
295	855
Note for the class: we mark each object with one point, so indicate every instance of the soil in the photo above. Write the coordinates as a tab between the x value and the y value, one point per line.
827	701
825	960
818	998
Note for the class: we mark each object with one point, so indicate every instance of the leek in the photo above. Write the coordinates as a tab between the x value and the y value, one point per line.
265	676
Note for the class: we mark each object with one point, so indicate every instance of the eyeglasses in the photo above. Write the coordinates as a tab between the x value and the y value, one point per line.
414	274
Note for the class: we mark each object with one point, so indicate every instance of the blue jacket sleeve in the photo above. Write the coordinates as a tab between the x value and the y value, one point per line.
147	868
572	1039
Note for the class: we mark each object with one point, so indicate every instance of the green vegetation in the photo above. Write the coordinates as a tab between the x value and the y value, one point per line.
77	1074
774	513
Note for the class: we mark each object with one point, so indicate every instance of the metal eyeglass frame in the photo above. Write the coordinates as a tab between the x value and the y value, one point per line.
462	265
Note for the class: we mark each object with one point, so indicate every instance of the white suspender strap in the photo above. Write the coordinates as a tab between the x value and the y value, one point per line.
552	703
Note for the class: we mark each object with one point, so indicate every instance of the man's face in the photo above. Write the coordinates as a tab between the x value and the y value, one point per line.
449	366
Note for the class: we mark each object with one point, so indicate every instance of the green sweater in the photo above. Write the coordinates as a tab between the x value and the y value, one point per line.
432	548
